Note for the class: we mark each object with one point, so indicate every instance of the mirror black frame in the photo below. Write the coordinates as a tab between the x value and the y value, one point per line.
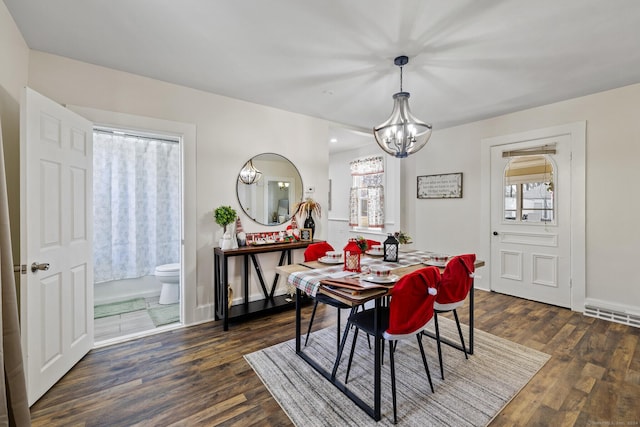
297	197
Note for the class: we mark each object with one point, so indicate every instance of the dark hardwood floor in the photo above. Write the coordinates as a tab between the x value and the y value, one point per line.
197	376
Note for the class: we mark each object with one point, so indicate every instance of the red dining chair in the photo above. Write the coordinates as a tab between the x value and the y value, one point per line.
372	243
313	252
453	289
316	250
409	312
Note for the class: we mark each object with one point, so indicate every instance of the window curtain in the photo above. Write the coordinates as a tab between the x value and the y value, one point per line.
14	409
366	199
136	205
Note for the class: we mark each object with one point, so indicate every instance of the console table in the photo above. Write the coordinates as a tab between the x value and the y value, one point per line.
270	303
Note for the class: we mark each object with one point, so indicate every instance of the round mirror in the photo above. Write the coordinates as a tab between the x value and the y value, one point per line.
268	188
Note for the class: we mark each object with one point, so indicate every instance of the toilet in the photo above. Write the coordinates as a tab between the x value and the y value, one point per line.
169	276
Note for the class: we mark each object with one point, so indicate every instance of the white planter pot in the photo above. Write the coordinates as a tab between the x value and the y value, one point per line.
226	242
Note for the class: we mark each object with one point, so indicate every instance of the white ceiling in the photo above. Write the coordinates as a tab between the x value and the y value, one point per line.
333	59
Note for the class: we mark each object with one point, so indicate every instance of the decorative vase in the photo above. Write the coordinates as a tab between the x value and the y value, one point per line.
310	223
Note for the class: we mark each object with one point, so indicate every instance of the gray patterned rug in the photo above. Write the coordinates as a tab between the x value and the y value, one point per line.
472	394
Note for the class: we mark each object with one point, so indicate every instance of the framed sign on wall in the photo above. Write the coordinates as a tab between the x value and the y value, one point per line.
444	186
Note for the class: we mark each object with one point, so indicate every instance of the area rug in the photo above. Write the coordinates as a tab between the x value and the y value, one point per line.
120	307
165	314
473	393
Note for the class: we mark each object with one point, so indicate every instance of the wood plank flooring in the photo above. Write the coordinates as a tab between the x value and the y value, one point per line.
197	376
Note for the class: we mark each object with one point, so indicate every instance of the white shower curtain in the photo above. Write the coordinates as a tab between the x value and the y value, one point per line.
136	205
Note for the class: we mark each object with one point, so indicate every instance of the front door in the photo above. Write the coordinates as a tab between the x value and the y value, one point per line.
530	219
56	233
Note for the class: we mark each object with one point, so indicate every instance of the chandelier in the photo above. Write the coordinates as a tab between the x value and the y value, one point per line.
249	174
402	134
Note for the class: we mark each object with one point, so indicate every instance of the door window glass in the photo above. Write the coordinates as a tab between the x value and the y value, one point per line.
529	190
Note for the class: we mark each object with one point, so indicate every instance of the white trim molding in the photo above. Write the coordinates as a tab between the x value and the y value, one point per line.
193	311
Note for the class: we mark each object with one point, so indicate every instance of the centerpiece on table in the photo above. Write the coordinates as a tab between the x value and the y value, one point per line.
402	237
225	215
305	209
363	244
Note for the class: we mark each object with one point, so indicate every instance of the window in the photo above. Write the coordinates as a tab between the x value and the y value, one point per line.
366	201
528	190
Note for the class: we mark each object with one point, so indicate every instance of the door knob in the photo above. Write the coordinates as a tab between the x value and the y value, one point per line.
39	266
495	233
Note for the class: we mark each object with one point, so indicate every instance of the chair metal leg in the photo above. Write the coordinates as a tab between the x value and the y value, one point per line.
437	328
424	360
355	310
353	348
340	350
338	330
313	314
464	348
393	381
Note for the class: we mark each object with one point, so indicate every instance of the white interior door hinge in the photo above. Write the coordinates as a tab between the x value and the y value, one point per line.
22	269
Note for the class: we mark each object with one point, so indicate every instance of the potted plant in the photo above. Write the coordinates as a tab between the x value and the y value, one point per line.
225	215
306	208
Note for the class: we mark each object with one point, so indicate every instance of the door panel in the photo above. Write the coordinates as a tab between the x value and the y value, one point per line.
532	258
56	229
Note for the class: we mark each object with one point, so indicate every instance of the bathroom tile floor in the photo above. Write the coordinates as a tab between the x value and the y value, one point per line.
126	323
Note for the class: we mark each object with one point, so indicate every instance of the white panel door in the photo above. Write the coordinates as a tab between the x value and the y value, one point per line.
531	258
56	234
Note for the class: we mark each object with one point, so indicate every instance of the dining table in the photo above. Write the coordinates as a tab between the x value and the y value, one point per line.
311	278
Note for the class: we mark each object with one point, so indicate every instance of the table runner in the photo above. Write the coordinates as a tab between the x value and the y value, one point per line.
309	280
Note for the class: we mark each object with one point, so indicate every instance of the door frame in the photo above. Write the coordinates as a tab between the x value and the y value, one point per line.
577	134
191	310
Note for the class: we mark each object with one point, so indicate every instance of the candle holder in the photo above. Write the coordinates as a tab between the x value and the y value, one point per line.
352	256
391	249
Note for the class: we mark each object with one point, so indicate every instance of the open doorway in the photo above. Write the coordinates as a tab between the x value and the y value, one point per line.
137	232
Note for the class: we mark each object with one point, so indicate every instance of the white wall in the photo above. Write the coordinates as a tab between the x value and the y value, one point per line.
612	153
14	57
14	53
229	132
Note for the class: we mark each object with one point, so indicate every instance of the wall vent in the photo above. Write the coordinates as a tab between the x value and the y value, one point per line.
612	316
